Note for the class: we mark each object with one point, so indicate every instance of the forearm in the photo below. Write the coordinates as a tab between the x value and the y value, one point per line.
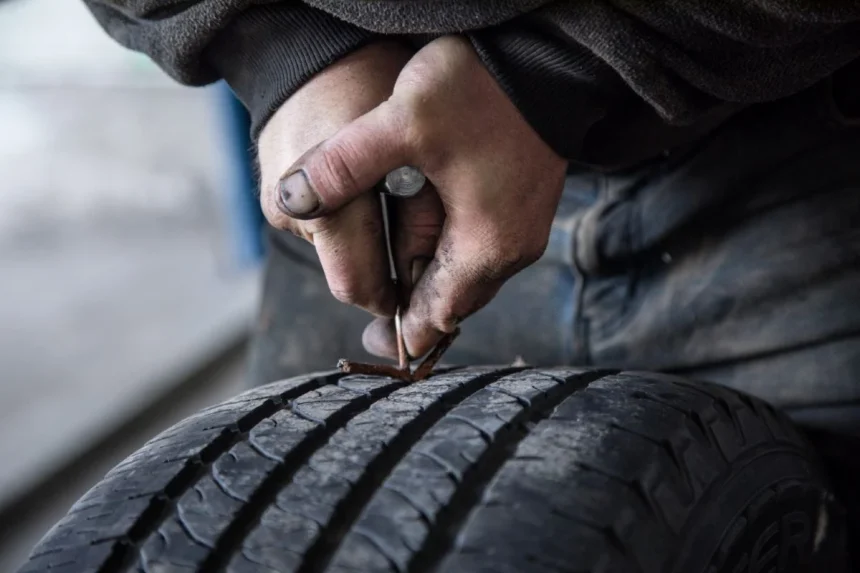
603	82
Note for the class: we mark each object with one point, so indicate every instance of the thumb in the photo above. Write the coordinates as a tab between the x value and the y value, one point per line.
341	168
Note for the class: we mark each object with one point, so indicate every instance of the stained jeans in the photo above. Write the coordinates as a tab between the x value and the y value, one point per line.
735	259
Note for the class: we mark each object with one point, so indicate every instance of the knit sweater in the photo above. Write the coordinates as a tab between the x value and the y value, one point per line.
604	82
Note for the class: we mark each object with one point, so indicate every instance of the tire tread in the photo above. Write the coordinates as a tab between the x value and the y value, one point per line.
479	469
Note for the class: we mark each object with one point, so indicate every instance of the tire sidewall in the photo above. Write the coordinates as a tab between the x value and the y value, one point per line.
772	513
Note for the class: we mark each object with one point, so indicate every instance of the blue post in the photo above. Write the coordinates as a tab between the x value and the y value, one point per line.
243	207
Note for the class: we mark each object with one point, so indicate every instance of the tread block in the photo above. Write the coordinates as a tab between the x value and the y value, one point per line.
322	489
78	559
446	462
481	469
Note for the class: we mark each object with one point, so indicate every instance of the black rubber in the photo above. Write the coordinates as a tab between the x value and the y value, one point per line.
513	470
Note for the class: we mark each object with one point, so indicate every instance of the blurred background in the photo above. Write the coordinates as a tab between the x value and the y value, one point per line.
128	260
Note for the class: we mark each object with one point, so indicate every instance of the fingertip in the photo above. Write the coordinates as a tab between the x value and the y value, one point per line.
420	336
379	338
343	167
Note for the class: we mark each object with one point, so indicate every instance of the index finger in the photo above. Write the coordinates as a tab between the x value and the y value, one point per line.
463	277
351	247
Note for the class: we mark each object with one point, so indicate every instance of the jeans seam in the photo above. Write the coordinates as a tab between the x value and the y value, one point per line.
579	343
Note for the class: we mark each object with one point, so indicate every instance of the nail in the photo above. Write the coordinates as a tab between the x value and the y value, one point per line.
419	265
297	198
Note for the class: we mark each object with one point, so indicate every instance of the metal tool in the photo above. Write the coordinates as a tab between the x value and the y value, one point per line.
403	183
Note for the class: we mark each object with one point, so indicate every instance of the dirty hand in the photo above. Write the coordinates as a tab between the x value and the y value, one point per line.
348	240
486	216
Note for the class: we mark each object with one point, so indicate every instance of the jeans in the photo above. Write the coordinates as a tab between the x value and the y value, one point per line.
735	259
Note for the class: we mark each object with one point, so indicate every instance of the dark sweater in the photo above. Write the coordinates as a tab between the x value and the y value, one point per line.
605	82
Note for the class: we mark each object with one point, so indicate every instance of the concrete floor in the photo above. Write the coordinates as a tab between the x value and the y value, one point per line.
92	328
116	274
215	384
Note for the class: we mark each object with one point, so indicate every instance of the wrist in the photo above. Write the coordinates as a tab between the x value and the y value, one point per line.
346	89
267	52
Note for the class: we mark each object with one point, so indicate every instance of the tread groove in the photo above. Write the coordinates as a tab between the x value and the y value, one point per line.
196	467
497	468
472	484
669	448
725	409
372	539
250	513
524	402
484	434
61	564
408	500
261	452
639	395
613	539
45	552
449	471
224	489
635	486
349	509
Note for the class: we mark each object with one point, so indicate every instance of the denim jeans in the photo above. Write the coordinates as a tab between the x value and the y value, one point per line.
735	259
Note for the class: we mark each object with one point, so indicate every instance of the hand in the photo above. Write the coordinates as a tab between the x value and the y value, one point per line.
497	186
347	241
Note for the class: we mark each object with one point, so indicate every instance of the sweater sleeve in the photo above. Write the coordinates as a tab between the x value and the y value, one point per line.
265	51
601	81
604	82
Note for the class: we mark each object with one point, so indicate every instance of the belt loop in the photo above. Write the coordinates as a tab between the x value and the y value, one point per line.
585	255
560	248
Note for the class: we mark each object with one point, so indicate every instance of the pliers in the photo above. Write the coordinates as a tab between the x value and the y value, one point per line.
404	183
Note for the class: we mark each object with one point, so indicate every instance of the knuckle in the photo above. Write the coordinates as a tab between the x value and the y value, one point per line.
282	222
504	253
274	217
301	232
346	289
355	293
533	250
500	255
273	214
322	227
418	131
372	227
411	116
445	319
442	314
344	295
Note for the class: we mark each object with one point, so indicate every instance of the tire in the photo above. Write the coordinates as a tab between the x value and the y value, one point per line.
510	470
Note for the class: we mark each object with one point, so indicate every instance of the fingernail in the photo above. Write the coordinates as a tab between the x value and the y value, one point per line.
297	197
419	265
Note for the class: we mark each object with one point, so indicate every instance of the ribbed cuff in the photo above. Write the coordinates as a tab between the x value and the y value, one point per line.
579	105
561	88
269	52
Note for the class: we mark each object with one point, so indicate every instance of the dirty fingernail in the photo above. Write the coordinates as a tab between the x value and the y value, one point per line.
296	196
419	265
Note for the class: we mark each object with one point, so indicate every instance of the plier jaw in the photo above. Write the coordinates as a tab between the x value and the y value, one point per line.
404	183
404	371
